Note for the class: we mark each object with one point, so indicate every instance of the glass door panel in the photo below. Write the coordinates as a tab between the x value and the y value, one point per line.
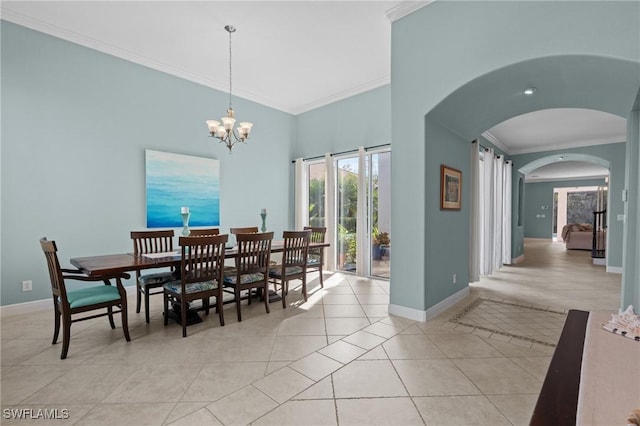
316	194
346	209
380	208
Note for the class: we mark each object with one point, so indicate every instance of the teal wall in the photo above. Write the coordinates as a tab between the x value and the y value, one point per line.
540	194
361	120
614	155
578	54
75	124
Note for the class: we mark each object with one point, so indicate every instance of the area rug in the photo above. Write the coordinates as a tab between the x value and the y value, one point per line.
529	323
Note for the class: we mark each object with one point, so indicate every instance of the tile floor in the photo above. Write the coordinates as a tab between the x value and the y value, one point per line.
337	359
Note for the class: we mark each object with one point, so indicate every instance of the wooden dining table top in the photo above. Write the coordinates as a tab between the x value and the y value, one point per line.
126	262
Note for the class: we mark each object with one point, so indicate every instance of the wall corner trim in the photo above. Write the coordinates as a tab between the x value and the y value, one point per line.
432	312
614	269
517	260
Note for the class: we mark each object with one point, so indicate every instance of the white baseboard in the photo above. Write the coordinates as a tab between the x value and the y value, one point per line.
41	305
599	261
432	312
517	259
614	269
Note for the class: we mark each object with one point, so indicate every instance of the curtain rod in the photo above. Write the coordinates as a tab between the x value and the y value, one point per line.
343	152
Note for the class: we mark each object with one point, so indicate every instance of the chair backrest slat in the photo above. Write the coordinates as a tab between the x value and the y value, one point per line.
296	247
55	272
317	233
245	230
145	242
202	258
204	232
254	252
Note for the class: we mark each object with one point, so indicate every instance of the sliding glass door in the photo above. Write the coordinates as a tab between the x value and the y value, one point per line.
346	213
380	208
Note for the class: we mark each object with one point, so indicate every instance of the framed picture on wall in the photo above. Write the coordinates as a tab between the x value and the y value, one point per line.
450	188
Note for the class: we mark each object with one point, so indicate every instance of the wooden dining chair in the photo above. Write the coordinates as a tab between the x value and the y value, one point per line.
202	260
204	232
245	230
251	267
315	260
293	265
148	242
67	303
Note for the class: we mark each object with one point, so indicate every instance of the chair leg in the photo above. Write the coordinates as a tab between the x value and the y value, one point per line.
184	306
304	287
166	307
321	281
56	326
237	295
220	309
265	296
205	303
138	298
66	334
125	320
146	305
284	293
113	324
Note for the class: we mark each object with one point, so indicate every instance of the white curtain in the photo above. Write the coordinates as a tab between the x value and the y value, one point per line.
301	196
474	226
362	228
506	213
329	208
494	218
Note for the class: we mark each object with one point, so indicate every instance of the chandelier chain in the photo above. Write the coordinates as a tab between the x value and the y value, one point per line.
230	82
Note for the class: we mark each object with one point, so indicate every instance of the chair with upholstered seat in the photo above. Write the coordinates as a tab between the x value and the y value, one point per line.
251	267
150	242
293	265
200	276
70	302
204	232
315	260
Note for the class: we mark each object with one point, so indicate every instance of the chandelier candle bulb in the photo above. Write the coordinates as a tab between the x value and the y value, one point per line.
184	210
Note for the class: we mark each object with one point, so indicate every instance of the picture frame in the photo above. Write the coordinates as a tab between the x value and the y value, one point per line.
450	188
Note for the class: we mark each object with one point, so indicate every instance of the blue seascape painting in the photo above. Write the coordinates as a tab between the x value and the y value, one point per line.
174	181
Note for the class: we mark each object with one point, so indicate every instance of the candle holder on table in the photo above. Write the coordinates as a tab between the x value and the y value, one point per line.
185	224
264	223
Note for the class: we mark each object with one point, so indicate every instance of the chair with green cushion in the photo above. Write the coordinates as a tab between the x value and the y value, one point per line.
70	302
150	242
293	265
251	268
315	260
200	276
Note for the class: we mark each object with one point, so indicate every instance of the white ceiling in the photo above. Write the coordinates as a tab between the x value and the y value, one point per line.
290	55
567	170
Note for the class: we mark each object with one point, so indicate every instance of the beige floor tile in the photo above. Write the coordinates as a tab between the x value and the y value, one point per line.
200	417
377	411
283	384
434	377
242	407
316	366
376	353
68	414
373	299
340	299
459	410
344	326
131	414
297	326
333	339
383	330
292	348
342	351
321	390
18	351
276	365
412	346
376	311
339	290
227	377
536	366
19	383
362	379
498	376
414	329
343	311
364	340
183	409
301	413
83	385
518	408
464	346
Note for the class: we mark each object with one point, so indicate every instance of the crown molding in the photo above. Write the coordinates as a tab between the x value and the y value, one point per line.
405	8
494	140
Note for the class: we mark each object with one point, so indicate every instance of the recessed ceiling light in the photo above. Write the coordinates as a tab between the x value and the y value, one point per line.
529	91
561	158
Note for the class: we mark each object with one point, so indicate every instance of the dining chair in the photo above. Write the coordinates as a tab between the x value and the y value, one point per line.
315	259
70	302
202	260
204	232
245	230
251	267
293	265
149	242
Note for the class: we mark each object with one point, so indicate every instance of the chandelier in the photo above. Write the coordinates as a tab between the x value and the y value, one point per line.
225	131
